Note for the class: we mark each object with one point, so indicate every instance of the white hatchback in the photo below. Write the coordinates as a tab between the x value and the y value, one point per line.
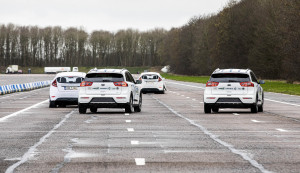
64	89
233	88
110	88
152	82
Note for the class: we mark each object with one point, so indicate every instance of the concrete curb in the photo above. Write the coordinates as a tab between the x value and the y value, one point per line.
7	89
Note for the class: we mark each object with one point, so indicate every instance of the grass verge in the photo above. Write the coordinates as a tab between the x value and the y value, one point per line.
270	86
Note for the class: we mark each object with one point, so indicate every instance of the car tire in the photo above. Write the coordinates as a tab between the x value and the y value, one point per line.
52	104
261	107
129	107
139	107
207	109
93	110
82	109
215	110
254	108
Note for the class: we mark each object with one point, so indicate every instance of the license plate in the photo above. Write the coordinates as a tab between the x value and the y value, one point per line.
70	88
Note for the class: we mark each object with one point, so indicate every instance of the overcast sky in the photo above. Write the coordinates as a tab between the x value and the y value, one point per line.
110	15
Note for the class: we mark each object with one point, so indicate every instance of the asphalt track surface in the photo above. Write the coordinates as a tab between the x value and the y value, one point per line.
171	134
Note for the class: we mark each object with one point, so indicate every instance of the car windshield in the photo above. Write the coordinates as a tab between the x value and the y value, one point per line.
104	77
149	76
69	79
229	77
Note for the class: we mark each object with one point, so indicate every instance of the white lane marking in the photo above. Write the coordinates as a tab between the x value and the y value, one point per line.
282	102
3	119
187	97
194	100
255	121
201	102
134	142
33	149
130	129
236	114
182	95
281	130
243	154
140	161
126	114
128	121
185	85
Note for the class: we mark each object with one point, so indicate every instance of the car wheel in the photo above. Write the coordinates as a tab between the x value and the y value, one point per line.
207	109
52	104
261	107
216	110
82	109
139	107
93	110
129	108
254	108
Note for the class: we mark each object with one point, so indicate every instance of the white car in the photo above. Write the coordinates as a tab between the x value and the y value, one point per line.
110	88
233	88
152	82
64	89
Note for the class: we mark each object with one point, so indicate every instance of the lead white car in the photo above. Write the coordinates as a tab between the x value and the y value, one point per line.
152	82
110	88
233	88
64	89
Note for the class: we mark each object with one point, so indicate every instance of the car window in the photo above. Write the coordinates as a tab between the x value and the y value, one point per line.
129	78
149	76
229	77
104	77
254	79
69	79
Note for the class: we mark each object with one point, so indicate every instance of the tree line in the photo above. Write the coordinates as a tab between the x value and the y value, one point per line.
263	35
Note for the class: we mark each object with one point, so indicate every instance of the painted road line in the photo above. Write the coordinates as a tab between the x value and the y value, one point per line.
186	85
187	97
255	121
3	119
140	161
245	155
281	130
194	100
128	121
236	114
134	142
126	114
282	102
33	149
130	129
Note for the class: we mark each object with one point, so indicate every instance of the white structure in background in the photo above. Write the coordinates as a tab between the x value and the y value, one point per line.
49	70
12	69
75	69
166	69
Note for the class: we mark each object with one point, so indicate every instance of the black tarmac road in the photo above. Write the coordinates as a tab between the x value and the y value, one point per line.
171	134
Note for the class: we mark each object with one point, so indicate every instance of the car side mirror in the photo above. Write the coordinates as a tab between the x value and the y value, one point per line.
138	81
262	82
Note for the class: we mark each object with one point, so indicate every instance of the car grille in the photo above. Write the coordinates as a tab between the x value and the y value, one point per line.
229	100
103	100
